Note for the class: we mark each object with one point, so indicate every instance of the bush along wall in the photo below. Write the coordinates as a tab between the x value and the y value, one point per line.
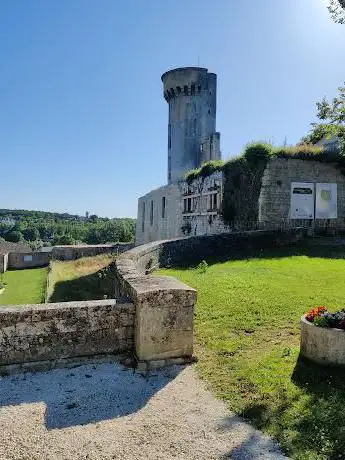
242	176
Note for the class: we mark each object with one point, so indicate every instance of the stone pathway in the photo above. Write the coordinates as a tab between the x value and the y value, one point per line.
108	412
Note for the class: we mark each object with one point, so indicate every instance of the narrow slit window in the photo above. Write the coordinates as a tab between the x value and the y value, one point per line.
143	219
163	207
192	89
151	213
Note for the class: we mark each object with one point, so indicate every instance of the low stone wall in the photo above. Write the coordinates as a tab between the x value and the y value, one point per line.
191	251
322	345
77	252
21	260
164	309
36	333
165	306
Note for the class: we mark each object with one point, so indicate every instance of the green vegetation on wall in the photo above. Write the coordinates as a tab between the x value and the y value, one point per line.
243	175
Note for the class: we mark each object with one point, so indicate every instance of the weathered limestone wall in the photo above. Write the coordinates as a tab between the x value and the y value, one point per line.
65	330
274	201
79	251
204	195
20	260
164	308
152	223
176	221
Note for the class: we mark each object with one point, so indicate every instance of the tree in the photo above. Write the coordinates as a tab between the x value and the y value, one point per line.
332	115
65	239
31	234
14	236
337	10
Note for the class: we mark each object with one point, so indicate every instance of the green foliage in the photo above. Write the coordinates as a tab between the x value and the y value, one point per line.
337	10
205	170
31	234
14	236
247	340
202	267
65	239
50	227
324	130
242	183
257	152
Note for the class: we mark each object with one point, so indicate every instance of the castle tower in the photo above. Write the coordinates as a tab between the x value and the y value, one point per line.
191	93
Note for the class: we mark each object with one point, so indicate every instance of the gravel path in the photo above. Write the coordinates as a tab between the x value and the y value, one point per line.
107	412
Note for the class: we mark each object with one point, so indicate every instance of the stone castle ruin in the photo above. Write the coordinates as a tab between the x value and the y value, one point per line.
287	192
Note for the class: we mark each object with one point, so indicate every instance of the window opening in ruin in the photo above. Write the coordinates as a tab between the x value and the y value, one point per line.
178	89
199	89
185	89
213	202
151	213
163	207
143	221
187	205
192	90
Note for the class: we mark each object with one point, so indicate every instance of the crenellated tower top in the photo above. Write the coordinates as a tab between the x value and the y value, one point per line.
191	93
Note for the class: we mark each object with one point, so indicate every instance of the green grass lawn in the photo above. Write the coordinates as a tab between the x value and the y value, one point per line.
89	278
247	342
24	286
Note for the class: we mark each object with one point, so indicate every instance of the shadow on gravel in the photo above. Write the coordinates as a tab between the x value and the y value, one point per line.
85	394
253	445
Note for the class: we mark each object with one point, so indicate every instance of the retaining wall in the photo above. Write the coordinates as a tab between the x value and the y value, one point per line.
77	252
21	260
35	333
164	305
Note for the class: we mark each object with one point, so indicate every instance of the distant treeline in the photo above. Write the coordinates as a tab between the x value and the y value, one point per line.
38	228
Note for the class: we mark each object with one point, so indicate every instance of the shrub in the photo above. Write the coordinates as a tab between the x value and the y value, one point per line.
202	267
14	237
206	169
257	152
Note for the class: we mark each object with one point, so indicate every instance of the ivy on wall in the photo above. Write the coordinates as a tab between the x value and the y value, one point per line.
243	176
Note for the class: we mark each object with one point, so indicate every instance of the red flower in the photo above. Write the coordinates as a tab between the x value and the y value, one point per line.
311	314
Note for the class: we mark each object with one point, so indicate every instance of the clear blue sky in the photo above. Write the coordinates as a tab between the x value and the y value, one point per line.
83	124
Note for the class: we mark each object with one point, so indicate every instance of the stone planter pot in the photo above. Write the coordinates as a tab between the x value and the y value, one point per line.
322	345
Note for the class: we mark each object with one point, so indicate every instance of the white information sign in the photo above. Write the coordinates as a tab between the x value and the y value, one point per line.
302	200
326	201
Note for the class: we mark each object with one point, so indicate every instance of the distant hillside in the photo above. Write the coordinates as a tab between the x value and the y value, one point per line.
42	228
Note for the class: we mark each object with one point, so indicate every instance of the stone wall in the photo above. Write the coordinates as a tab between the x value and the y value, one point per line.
154	223
165	306
79	251
65	330
176	221
20	260
274	201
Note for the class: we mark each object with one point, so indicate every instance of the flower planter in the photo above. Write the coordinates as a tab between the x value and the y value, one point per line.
321	344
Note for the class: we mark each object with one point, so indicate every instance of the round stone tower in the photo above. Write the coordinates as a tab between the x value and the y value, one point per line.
191	93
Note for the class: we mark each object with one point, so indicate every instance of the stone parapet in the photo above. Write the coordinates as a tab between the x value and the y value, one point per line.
57	331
